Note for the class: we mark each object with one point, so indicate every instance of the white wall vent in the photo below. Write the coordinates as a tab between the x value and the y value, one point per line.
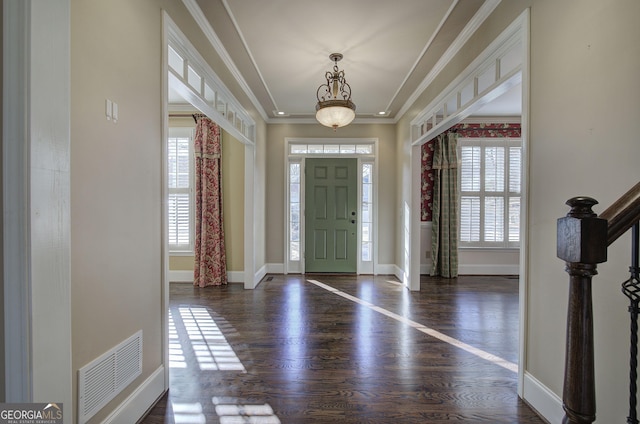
103	378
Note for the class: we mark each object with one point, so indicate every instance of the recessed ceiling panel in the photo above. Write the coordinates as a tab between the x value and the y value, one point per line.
281	47
290	42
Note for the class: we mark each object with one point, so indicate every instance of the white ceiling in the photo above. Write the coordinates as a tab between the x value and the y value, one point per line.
281	48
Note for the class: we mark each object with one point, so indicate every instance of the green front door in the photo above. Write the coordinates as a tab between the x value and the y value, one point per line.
330	215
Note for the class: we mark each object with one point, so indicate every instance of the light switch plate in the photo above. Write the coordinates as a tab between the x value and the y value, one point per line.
107	109
114	112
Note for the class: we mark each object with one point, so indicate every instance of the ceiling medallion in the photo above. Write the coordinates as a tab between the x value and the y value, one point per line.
335	108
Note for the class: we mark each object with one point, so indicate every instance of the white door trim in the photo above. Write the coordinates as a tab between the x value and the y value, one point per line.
298	266
449	108
36	202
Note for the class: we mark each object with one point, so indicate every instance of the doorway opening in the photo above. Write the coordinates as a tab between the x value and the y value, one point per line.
189	80
503	65
364	151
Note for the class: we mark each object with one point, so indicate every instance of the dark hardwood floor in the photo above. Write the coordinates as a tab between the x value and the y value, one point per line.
344	349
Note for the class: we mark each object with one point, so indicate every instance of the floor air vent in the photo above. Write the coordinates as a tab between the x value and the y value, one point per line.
102	379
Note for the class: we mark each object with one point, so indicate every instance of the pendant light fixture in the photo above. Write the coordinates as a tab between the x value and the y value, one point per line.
335	108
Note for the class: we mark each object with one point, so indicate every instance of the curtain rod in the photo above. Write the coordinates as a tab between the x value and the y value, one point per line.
195	116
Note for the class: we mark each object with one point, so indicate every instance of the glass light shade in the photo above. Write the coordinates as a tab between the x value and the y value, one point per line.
335	113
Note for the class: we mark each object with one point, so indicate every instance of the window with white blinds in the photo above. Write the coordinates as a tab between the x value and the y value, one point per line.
180	181
490	170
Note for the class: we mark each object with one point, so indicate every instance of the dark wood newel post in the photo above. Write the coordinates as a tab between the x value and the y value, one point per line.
582	243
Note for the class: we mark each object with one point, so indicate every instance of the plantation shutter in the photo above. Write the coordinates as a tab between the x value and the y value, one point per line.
490	179
180	170
470	168
515	172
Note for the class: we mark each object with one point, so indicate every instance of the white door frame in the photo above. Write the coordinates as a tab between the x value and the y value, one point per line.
450	108
246	135
36	151
298	266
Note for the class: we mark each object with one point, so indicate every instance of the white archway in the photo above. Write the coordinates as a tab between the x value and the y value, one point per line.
501	66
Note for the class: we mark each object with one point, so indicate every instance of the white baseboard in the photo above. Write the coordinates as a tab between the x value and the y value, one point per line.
483	269
181	276
138	402
380	269
385	269
187	276
542	399
399	273
488	269
274	268
234	277
259	275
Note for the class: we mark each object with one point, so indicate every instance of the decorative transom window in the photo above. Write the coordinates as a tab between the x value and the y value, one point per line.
490	192
331	149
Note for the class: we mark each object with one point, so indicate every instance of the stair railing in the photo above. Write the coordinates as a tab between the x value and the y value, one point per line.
583	238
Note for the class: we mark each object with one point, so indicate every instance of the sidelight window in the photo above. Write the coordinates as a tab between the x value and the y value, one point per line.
294	211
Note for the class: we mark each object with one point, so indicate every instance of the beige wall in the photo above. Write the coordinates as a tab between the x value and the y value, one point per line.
585	98
275	183
115	181
233	201
583	124
116	175
181	263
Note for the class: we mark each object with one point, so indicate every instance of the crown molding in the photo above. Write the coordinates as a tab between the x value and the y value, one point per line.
249	53
481	15
212	37
423	52
196	12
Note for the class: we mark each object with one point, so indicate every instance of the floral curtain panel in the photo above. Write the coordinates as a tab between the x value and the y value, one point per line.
463	130
210	256
444	236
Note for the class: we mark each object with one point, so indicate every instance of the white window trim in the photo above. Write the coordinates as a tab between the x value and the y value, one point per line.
295	267
185	250
507	142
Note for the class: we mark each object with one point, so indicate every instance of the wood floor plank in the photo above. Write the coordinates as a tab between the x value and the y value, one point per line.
294	352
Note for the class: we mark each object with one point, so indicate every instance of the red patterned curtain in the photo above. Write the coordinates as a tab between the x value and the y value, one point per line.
463	130
210	256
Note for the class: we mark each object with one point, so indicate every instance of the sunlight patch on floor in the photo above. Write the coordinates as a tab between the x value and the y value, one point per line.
426	330
176	354
237	412
209	345
188	413
212	353
395	283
